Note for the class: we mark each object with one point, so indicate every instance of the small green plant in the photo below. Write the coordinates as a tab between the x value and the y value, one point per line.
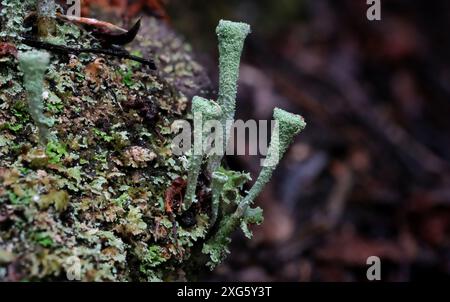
154	256
103	135
33	65
55	152
127	77
43	239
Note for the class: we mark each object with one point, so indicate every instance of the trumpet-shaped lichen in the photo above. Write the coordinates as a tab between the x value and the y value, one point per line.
288	125
231	36
33	65
231	41
98	195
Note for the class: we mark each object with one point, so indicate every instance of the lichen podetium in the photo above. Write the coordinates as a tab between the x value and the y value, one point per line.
46	10
33	65
231	36
288	125
219	179
203	111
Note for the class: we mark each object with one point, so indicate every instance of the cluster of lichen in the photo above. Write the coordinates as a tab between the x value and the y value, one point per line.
231	37
12	15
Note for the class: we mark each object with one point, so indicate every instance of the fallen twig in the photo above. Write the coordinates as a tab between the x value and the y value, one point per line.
118	53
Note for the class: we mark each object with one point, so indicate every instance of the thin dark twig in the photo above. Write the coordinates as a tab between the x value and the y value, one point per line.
123	54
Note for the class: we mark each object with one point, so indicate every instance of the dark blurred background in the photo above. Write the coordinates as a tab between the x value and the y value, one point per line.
370	174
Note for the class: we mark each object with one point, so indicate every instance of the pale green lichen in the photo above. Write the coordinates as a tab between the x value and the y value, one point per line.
46	8
231	36
219	179
217	246
288	125
114	226
12	15
33	65
203	111
121	230
46	11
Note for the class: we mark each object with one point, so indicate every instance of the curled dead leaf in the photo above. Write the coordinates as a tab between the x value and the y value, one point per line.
7	49
174	195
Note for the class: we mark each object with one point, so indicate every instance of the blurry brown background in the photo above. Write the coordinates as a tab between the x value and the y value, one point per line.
370	174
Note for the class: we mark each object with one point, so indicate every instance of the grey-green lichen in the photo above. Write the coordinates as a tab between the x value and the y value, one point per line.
102	193
203	111
287	126
46	8
34	65
231	41
231	36
219	179
12	15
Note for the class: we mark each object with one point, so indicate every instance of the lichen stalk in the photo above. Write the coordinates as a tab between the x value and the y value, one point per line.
231	36
287	126
46	11
203	110
34	64
218	181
